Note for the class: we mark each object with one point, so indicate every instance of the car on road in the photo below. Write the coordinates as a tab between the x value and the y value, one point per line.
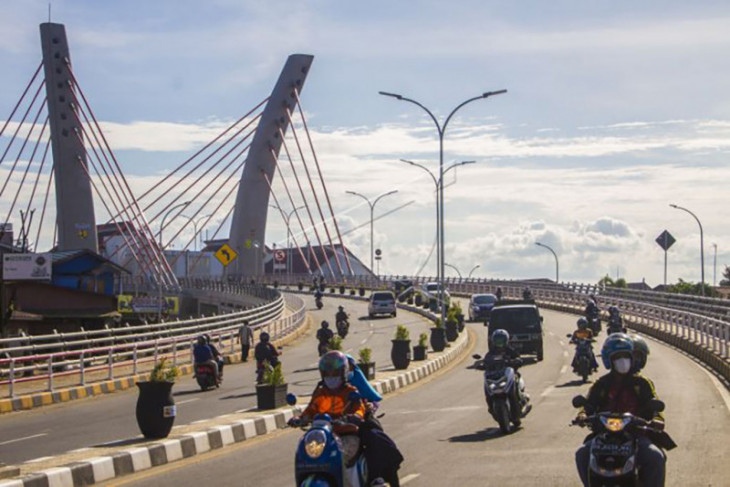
480	306
523	322
381	303
430	291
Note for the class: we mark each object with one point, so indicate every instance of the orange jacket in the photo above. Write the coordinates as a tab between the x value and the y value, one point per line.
585	334
326	401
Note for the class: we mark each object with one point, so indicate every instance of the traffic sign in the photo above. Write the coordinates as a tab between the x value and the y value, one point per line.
279	256
665	240
378	252
226	255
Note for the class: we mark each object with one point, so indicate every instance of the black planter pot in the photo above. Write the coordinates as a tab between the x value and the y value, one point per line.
400	354
420	352
270	397
332	290
368	370
156	409
452	330
438	339
460	317
419	300
300	286
321	287
409	301
276	284
352	292
361	291
433	306
342	289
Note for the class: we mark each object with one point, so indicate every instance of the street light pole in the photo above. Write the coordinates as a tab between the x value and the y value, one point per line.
714	267
195	221
453	267
372	216
702	244
557	266
287	219
162	225
473	269
162	250
441	131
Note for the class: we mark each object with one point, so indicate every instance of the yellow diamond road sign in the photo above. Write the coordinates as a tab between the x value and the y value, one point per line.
226	255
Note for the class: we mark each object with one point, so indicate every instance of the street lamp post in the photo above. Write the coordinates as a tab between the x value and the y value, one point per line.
195	221
441	131
557	266
714	267
162	225
162	249
702	244
287	219
473	269
372	216
453	267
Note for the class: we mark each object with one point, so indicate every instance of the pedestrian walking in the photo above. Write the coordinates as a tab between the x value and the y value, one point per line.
245	337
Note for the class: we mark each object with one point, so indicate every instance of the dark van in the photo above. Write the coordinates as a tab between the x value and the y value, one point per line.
523	323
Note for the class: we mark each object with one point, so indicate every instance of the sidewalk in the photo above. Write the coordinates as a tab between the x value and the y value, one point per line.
101	463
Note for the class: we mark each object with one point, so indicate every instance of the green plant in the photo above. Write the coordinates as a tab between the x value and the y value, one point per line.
365	354
335	343
422	340
438	323
273	376
402	333
162	373
456	307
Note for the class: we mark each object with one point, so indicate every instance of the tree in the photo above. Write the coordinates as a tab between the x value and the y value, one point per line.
726	275
692	288
606	281
620	282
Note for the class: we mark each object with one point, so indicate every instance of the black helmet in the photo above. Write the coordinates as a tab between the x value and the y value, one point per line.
207	337
264	337
613	310
201	340
500	338
582	323
341	308
325	324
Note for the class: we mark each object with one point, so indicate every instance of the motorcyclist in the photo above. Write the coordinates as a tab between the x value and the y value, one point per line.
341	315
615	323
217	356
640	354
583	333
202	354
356	377
333	396
324	335
592	312
622	391
264	353
498	351
527	294
498	293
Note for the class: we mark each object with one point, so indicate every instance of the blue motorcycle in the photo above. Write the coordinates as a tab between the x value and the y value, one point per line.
329	454
505	391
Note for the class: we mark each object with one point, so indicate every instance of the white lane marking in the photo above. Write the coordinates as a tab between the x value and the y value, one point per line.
187	401
200	421
563	369
551	334
718	385
437	410
565	353
39	459
547	391
80	450
363	341
562	343
23	439
409	477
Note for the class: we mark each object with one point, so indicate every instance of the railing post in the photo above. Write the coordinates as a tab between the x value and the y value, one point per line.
82	368
12	377
111	364
50	372
134	360
174	352
157	341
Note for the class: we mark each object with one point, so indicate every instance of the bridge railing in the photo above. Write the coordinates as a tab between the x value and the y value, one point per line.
129	359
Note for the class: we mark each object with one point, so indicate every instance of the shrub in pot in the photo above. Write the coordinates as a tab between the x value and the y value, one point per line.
366	364
418	300
342	289
438	336
400	353
332	290
433	305
452	327
420	351
156	408
458	314
271	394
362	291
352	292
409	300
300	285
335	343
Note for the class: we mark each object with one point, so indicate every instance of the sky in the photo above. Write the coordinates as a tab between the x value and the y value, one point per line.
614	110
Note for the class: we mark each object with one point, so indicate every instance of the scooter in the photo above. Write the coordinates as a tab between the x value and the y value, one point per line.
614	447
318	302
206	376
510	402
583	365
343	328
594	322
615	326
329	454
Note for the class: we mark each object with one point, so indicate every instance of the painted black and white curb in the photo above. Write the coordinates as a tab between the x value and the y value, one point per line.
132	460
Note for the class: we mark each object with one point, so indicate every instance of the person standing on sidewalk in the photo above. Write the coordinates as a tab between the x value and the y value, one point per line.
245	337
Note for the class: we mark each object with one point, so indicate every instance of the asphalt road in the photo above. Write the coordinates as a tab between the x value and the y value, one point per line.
448	438
59	428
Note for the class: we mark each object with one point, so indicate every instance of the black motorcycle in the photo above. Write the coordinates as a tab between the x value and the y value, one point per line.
318	302
343	328
583	362
614	445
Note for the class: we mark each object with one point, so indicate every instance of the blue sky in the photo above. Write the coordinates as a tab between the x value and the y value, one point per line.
614	110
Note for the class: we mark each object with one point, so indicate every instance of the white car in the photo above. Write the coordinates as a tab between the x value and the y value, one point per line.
381	303
430	290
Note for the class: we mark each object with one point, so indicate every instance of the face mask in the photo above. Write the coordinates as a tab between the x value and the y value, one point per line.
333	382
622	365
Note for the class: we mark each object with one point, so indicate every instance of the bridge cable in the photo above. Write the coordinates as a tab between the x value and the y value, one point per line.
45	203
20	100
20	125
220	226
321	178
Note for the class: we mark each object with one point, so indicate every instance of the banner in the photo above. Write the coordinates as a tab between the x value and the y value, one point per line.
127	304
23	267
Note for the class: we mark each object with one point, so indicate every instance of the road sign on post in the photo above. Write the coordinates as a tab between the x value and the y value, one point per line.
279	260
226	255
665	240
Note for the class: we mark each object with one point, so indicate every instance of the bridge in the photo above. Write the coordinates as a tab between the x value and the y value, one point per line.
52	433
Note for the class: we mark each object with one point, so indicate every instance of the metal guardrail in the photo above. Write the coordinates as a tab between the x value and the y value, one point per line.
147	351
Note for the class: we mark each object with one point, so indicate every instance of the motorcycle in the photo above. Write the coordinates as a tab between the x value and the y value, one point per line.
614	447
323	348
583	365
206	376
594	322
343	328
329	453
318	302
506	393
615	326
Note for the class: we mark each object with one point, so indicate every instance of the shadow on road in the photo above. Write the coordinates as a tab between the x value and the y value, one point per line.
573	383
128	441
484	435
239	396
189	391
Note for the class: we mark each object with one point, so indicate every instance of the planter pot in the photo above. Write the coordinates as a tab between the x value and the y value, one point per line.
368	370
409	301
362	291
270	397
433	306
156	409
300	286
276	284
438	339
352	292
452	330
419	300
332	290
420	352
342	289
400	354
460	317
321	287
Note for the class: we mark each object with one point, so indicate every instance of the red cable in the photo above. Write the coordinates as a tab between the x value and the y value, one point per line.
316	198
319	170
15	134
38	176
22	97
219	227
22	148
45	202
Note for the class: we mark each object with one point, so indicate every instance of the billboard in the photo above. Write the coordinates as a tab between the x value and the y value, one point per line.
23	267
127	304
